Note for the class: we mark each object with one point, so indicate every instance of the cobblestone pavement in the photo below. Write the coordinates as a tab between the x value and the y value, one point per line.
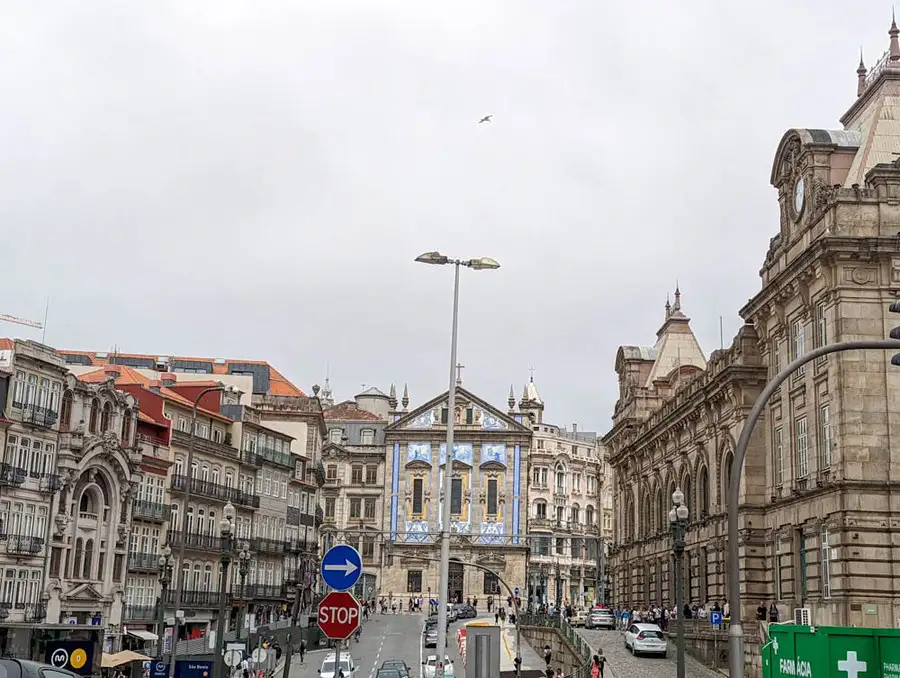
620	663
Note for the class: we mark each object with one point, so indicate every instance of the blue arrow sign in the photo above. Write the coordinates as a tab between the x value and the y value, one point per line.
341	567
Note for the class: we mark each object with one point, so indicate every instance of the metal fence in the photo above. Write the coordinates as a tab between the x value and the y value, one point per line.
574	638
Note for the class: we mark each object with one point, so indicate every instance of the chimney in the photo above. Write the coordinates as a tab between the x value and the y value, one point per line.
154	386
169	379
112	372
575	428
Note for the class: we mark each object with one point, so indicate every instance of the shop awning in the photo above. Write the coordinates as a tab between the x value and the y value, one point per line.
109	661
143	635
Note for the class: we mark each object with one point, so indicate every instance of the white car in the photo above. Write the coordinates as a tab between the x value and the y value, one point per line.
428	667
332	663
646	639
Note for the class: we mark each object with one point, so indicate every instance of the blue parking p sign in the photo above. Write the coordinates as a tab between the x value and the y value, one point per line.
715	618
341	567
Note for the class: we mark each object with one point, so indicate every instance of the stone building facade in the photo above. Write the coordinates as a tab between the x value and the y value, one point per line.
565	511
817	516
487	496
353	496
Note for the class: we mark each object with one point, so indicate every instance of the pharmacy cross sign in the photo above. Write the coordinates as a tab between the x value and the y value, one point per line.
852	666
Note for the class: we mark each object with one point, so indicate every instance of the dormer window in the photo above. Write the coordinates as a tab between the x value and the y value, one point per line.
335	434
367	436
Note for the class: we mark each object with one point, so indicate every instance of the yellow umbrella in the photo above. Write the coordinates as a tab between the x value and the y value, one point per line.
108	661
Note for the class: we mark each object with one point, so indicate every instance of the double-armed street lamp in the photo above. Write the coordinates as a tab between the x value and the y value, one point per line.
166	564
678	521
188	487
226	529
243	557
482	264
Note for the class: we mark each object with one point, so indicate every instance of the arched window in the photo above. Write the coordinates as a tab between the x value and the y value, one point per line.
660	510
575	516
201	521
185	576
106	417
126	427
560	478
540	509
195	584
190	521
76	565
726	480
687	488
95	416
589	516
65	414
703	493
88	559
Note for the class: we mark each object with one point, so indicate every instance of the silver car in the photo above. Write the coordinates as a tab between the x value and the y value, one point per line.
601	619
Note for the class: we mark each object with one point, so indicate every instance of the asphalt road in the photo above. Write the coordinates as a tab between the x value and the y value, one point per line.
621	664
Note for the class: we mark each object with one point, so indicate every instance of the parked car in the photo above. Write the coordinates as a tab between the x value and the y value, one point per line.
646	639
25	668
451	613
601	619
464	611
431	636
396	665
389	673
579	618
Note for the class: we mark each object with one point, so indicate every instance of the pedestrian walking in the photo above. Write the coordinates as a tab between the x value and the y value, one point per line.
302	649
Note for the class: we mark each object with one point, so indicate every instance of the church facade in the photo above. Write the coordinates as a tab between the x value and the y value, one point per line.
487	498
818	514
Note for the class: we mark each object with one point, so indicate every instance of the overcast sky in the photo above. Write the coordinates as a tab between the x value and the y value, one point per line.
253	179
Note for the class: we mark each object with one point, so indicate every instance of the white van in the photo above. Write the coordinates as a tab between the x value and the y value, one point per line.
333	662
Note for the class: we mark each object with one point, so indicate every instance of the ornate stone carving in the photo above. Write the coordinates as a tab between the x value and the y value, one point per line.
823	196
60	522
122	533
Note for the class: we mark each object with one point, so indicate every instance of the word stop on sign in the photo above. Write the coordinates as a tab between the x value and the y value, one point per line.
338	615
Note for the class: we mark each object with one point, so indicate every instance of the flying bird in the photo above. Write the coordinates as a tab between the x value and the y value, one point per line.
486	118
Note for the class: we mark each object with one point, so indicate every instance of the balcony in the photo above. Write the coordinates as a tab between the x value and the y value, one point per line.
183	439
143	561
539	523
592	528
332	482
150	510
293	515
39	416
257	591
295	546
35	612
211	490
191	598
12	476
273	456
199	542
140	612
268	545
251	458
23	545
48	482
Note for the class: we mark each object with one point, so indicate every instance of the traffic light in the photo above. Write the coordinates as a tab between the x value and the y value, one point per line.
895	333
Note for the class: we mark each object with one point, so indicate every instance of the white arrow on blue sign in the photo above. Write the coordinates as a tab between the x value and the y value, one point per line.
341	567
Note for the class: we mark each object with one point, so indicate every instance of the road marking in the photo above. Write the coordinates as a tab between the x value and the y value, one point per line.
421	656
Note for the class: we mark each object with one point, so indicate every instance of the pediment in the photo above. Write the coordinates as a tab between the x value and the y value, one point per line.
485	417
84	592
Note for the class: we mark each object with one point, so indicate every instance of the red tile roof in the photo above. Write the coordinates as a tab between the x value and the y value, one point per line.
348	411
6	344
278	383
130	376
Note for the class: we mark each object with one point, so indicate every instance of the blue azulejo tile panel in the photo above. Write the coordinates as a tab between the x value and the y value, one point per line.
494	453
461	452
418	452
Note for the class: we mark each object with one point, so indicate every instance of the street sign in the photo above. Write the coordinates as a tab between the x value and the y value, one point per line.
715	618
339	615
341	567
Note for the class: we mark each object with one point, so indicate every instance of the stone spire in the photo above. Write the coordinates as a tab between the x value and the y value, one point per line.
392	398
895	43
326	397
861	75
677	305
512	400
668	307
405	401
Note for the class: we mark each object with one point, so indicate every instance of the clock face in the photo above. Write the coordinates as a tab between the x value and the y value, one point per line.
799	196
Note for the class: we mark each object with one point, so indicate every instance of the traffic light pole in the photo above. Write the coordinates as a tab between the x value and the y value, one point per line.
735	629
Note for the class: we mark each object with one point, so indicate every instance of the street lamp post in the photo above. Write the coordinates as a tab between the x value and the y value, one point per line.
484	263
226	527
166	563
244	557
558	590
678	521
189	480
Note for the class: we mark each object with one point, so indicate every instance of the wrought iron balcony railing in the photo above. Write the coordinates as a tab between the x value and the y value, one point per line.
140	612
24	545
211	490
35	612
293	515
201	542
48	482
257	591
151	510
39	416
143	561
194	598
12	475
273	456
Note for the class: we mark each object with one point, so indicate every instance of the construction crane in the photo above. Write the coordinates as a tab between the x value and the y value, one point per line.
20	321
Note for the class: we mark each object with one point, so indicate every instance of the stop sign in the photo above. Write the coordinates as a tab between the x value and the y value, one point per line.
339	615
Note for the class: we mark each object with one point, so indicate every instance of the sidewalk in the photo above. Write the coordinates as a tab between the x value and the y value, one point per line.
530	658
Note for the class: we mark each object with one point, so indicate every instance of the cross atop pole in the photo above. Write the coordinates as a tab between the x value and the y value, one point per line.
532	373
459	369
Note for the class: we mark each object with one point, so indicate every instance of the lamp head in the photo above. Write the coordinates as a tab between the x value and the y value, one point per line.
678	497
672	516
167	550
228	512
682	512
483	264
432	258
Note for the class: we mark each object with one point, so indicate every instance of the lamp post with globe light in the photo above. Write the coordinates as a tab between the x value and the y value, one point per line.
166	563
678	522
226	527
